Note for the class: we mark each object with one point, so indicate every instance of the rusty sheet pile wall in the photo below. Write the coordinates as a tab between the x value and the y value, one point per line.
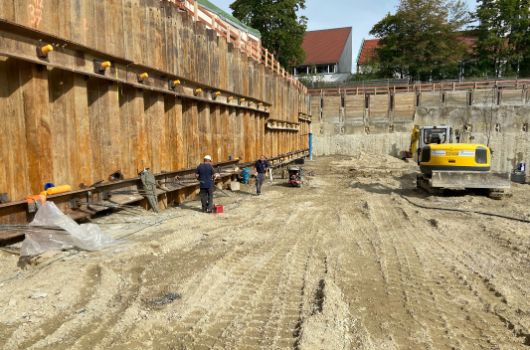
348	121
172	91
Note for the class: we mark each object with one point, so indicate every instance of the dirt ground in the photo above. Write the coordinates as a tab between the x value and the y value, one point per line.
349	261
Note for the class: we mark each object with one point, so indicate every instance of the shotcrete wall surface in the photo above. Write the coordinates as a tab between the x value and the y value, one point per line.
382	123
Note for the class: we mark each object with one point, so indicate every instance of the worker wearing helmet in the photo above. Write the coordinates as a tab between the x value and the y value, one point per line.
206	175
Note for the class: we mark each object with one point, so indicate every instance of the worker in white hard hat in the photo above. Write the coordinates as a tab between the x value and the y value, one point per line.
206	175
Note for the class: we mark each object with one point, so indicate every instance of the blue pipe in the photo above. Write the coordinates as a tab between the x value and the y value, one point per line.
310	146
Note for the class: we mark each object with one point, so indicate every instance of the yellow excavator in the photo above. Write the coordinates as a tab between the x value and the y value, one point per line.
454	166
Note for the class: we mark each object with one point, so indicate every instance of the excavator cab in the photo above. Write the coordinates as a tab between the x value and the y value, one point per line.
426	135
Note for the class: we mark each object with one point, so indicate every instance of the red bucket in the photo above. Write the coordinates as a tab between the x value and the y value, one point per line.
219	209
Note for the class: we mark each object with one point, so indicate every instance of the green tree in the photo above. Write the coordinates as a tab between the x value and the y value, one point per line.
281	28
420	40
503	47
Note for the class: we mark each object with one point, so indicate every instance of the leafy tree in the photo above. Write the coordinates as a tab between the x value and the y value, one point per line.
281	28
504	37
420	40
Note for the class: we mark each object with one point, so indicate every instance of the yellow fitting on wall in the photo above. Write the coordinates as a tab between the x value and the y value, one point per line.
142	77
46	49
242	99
43	51
105	65
230	98
217	93
198	91
175	83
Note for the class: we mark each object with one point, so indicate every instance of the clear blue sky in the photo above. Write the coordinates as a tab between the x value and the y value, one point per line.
359	14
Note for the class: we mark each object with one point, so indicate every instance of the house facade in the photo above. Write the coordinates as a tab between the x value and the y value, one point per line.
328	54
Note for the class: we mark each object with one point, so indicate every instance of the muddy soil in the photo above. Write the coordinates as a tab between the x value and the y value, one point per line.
356	259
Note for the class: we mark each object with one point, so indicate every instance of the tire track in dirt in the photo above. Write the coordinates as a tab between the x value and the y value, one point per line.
268	316
467	286
328	266
54	323
412	270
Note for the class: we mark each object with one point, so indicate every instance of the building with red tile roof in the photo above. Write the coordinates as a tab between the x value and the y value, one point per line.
328	51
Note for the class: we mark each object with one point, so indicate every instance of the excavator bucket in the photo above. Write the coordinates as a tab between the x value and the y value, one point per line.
461	180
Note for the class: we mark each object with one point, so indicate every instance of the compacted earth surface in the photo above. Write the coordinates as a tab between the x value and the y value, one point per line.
355	259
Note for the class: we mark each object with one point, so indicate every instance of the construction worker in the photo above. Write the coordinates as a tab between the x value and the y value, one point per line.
206	175
261	169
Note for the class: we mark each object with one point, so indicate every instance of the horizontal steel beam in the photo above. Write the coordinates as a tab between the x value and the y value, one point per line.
22	43
95	192
94	204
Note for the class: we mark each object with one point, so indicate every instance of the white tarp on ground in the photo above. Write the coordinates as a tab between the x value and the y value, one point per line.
86	236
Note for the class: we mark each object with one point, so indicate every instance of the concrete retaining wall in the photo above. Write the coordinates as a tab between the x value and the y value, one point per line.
382	123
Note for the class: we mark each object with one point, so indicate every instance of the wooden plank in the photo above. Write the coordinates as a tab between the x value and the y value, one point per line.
138	125
102	28
268	142
134	154
63	126
103	101
79	26
166	152
96	129
205	130
217	141
7	10
6	179
140	27
226	131
202	130
114	34
191	126
245	144
111	114
230	133
176	151
128	23
14	131
253	142
38	128
239	145
30	13
81	149
154	110
261	135
168	13
126	94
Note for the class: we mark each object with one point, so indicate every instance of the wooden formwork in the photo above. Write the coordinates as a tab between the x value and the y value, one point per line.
64	122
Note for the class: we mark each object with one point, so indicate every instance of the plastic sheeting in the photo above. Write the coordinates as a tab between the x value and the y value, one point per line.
86	237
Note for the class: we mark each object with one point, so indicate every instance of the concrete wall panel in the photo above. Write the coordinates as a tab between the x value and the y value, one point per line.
428	99
456	98
513	97
504	127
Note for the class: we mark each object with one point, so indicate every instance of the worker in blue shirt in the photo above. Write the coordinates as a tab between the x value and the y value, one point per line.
261	169
206	175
